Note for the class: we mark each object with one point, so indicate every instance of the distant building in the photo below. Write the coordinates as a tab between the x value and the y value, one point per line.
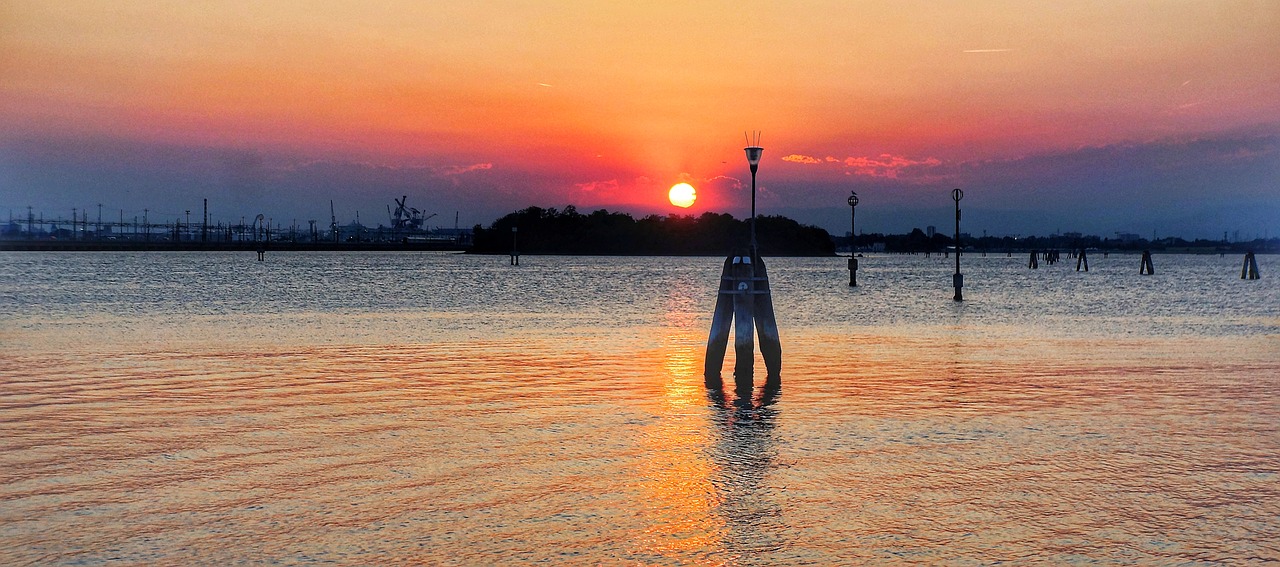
1127	236
1073	235
930	231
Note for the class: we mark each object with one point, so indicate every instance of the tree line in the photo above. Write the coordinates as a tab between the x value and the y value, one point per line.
567	231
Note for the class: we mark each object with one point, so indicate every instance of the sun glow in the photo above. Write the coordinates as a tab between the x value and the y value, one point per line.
682	195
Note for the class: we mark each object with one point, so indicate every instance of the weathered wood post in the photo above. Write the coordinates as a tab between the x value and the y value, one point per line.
1082	260
1034	262
1249	271
260	238
515	252
1147	267
744	309
721	319
853	272
767	325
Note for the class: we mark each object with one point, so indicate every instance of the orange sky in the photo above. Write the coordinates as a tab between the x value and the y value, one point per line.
587	92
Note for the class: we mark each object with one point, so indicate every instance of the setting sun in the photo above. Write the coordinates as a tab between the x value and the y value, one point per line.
682	195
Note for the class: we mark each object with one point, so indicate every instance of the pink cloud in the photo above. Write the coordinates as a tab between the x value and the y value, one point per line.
461	169
798	158
598	186
884	165
734	182
888	166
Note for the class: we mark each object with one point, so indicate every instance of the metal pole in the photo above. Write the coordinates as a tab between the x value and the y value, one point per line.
958	280
853	224
753	209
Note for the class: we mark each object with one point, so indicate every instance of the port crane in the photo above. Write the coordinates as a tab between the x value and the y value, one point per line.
407	218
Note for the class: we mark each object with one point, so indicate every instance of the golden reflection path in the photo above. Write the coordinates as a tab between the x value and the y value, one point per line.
677	473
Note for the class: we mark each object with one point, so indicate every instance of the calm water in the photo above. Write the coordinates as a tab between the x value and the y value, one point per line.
446	409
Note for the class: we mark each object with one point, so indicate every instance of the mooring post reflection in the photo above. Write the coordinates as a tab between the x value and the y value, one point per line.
744	455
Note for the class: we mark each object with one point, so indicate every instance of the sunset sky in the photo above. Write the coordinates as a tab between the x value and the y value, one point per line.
1117	115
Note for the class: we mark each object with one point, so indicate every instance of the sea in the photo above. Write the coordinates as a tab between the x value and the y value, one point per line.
333	408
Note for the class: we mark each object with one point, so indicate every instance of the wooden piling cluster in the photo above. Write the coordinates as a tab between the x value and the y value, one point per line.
745	301
1249	271
1034	262
1147	268
1082	260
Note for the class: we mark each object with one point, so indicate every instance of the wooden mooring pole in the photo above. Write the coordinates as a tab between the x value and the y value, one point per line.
1034	262
1249	271
767	325
744	285
1082	260
1147	267
745	301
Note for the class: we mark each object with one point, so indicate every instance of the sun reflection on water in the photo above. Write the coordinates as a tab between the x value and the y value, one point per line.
678	477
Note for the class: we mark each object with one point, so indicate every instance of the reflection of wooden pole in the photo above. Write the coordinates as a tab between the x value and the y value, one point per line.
718	341
767	325
744	346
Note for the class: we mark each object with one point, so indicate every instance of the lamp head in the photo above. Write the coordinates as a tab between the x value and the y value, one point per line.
853	200
957	194
753	155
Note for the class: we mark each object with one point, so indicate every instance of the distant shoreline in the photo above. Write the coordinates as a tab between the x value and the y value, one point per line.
167	246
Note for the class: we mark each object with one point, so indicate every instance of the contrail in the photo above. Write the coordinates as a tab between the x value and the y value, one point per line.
986	50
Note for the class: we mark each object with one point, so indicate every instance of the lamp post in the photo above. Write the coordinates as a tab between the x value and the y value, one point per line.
753	159
853	217
957	280
853	262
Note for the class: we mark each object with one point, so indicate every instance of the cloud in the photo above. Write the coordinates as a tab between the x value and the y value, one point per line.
598	186
450	170
986	50
798	158
886	165
734	181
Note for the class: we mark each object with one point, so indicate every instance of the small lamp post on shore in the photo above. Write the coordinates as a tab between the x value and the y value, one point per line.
957	280
853	235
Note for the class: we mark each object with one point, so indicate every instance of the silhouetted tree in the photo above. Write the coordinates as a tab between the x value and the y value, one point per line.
550	231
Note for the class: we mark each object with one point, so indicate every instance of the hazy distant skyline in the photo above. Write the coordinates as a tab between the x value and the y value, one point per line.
1091	117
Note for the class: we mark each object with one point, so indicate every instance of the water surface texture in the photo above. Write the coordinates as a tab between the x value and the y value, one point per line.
173	408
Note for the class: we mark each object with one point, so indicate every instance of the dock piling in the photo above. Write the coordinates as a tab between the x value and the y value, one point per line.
767	325
721	319
744	306
1147	267
1249	271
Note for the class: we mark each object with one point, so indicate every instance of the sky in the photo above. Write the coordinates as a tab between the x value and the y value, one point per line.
1152	117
